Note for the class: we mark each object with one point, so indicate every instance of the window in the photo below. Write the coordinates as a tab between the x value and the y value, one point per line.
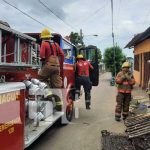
68	52
136	62
89	54
146	69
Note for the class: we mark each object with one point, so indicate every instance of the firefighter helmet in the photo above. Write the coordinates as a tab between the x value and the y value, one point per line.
80	56
45	34
126	65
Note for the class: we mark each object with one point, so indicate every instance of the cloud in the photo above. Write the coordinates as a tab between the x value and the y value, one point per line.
92	16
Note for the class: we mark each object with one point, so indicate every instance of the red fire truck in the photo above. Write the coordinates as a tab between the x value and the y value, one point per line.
24	111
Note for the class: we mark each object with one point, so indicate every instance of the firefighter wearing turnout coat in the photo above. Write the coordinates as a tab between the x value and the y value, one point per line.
82	67
52	58
125	81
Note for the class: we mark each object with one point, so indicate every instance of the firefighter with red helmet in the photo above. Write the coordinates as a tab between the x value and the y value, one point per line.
82	67
52	58
125	81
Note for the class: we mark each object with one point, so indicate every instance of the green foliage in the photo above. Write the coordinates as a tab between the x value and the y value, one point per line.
99	55
76	39
109	59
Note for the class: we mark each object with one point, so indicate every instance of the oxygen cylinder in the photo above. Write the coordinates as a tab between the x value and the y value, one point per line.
32	109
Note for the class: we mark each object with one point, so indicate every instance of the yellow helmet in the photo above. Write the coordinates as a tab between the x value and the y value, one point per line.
45	34
80	56
126	64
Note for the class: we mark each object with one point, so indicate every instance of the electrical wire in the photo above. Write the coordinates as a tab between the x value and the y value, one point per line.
24	13
3	16
44	4
85	20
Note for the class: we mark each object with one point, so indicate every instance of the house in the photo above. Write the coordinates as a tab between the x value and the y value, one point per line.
131	61
141	45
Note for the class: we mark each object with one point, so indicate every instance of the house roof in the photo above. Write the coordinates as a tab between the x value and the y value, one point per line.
139	38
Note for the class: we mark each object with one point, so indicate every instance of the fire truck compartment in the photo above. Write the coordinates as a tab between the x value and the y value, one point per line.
11	86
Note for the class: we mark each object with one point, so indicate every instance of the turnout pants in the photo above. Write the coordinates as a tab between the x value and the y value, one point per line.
122	107
51	74
87	85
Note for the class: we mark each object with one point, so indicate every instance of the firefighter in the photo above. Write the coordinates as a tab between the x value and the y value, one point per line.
82	67
125	81
52	58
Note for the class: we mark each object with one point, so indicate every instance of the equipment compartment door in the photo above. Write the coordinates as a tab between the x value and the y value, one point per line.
91	54
12	116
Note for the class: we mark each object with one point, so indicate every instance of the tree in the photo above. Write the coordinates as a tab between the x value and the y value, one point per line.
99	55
76	39
109	59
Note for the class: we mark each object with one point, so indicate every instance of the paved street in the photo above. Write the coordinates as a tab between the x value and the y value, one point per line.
84	133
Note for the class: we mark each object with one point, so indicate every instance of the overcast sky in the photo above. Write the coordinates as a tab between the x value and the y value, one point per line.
92	16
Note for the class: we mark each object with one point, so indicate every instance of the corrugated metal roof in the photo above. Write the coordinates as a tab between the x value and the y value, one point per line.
139	38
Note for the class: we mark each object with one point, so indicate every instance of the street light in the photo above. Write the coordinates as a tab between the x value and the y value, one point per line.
82	35
90	35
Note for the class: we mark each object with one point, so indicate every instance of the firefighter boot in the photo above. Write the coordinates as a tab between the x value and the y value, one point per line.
117	118
87	105
87	100
124	117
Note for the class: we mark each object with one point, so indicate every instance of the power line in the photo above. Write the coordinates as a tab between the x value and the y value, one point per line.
24	13
94	13
56	15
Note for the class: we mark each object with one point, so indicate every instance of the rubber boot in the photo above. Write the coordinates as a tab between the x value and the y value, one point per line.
87	105
117	118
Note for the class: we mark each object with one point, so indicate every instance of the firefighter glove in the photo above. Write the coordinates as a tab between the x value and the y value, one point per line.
123	77
128	77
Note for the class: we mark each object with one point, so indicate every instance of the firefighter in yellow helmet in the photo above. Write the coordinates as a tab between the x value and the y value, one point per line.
80	56
52	58
82	67
125	81
46	34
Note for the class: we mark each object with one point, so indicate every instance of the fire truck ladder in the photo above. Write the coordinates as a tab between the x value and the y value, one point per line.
17	60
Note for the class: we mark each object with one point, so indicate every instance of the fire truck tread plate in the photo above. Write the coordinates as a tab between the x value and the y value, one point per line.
32	135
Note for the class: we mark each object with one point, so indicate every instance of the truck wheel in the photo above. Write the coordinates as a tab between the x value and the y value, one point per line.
69	111
69	107
67	117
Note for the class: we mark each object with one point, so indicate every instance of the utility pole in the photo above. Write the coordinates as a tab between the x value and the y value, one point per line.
113	35
81	37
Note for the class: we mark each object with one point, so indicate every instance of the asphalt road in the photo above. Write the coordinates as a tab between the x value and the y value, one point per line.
84	133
